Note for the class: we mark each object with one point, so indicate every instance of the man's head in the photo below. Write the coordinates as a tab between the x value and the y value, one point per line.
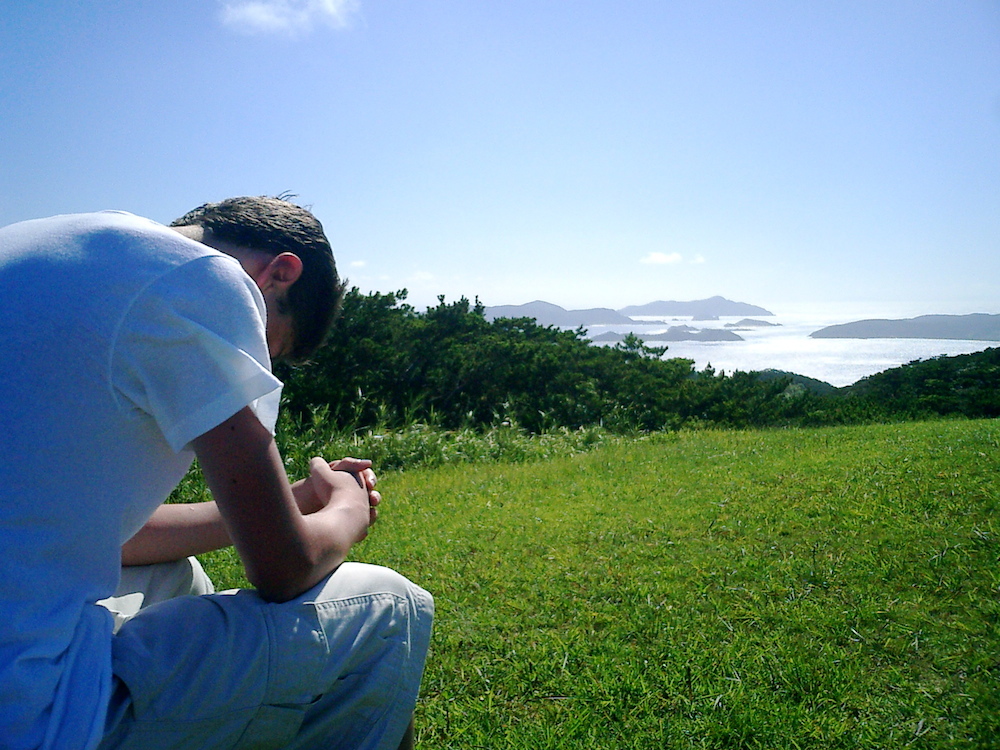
273	227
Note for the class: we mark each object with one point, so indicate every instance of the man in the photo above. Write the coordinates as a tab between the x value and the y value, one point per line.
128	349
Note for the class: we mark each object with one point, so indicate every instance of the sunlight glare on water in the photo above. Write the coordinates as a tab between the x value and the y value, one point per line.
788	347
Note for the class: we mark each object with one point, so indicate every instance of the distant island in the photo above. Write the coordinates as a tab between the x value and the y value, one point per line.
704	309
976	327
548	314
751	323
673	333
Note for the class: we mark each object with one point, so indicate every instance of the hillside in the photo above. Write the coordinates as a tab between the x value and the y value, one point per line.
967	385
801	382
977	327
828	588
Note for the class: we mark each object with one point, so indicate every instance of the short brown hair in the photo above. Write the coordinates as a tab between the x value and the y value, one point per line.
275	226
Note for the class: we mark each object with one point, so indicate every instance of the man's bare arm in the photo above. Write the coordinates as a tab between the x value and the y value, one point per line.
283	551
175	532
180	530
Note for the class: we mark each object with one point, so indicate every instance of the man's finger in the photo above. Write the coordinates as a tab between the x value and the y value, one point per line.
318	465
351	464
370	479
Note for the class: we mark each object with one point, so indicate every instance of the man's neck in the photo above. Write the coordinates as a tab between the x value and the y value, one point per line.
253	261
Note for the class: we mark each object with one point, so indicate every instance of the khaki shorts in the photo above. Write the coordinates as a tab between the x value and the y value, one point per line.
339	667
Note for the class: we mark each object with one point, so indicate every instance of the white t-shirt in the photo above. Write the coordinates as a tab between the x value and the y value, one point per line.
120	342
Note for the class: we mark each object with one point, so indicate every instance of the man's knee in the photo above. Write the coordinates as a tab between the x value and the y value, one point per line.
354	584
361	579
376	628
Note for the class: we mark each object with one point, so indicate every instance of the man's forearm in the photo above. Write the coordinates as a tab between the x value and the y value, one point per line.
285	550
175	532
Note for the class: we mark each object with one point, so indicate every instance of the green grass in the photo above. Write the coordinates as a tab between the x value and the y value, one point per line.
828	588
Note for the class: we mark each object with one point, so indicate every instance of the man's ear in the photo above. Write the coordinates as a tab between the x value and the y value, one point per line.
282	271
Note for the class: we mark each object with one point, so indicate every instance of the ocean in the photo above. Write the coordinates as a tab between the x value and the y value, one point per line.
787	347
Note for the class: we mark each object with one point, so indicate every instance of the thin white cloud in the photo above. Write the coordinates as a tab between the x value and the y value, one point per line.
358	264
662	259
698	259
286	16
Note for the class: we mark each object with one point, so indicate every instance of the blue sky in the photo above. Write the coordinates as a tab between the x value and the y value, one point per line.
796	155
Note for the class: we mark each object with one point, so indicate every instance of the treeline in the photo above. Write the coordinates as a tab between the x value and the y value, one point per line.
966	385
386	364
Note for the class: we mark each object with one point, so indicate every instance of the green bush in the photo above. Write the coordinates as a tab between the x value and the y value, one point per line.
387	366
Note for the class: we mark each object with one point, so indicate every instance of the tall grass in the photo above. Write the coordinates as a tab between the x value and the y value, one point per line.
828	588
423	445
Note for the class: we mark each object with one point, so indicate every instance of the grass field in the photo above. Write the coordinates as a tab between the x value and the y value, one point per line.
829	588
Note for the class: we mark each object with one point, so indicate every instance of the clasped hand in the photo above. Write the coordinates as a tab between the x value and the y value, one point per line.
323	486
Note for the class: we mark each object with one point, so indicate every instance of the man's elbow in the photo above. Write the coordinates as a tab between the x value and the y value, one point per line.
288	582
277	591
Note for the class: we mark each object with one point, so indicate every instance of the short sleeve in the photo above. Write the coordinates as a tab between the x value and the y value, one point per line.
192	350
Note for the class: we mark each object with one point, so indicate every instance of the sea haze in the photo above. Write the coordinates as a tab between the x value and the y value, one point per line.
787	346
730	336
